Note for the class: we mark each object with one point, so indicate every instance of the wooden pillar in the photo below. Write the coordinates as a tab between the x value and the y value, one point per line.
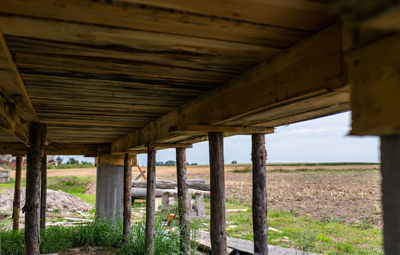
217	188
43	193
183	200
150	200
390	164
17	193
37	136
127	197
259	206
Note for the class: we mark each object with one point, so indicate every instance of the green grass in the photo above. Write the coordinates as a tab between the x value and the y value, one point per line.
305	233
66	166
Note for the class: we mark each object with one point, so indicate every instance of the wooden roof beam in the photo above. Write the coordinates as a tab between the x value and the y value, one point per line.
313	67
52	149
16	110
200	129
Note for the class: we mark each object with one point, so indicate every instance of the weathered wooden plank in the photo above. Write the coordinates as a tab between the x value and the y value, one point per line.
37	137
307	15
374	79
390	158
259	203
221	128
52	149
219	63
167	20
150	201
127	197
306	69
100	66
118	37
17	193
217	186
16	110
43	192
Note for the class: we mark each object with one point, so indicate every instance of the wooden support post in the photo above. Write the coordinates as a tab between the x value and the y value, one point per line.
17	193
43	193
183	200
259	206
217	188
37	136
165	201
390	164
150	200
127	197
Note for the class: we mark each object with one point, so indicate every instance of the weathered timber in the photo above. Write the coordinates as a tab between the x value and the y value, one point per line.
374	79
217	185
17	193
162	184
390	161
37	136
150	201
16	109
289	76
225	129
52	149
259	204
127	197
142	192
183	200
43	192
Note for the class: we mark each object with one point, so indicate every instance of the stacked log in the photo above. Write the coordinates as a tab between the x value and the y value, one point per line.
163	186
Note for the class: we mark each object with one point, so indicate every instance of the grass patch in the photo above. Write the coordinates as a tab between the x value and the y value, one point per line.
286	229
67	166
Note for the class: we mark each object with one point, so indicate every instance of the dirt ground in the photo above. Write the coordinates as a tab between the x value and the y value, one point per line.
346	193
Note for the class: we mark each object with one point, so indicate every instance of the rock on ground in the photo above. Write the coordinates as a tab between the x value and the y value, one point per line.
57	202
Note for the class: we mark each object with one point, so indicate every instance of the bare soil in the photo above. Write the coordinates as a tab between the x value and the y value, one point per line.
348	193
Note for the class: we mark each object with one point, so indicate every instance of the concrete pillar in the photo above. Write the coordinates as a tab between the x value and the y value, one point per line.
110	187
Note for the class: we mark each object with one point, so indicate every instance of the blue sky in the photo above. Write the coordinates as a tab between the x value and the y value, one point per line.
319	140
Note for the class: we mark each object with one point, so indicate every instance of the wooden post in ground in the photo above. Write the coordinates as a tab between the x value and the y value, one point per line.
390	164
183	200
217	188
127	197
259	206
17	193
37	136
43	193
150	201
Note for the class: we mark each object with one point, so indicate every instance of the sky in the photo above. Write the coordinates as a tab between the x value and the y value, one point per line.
320	140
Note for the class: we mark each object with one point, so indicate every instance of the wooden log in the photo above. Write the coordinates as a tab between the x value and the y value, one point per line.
142	192
183	200
43	193
259	205
150	201
37	135
165	201
17	193
127	197
390	165
217	185
201	212
196	184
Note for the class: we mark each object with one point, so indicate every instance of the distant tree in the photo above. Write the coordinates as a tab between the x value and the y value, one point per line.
170	163
160	163
234	162
86	163
72	161
59	159
193	164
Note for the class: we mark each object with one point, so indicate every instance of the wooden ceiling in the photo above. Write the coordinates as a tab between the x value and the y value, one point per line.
100	71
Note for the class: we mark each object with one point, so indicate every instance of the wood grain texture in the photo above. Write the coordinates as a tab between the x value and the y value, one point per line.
217	188
259	203
16	110
184	202
43	192
37	137
127	197
17	193
150	201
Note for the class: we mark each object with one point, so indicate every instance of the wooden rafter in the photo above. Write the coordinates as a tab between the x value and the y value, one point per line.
311	69
53	149
16	110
